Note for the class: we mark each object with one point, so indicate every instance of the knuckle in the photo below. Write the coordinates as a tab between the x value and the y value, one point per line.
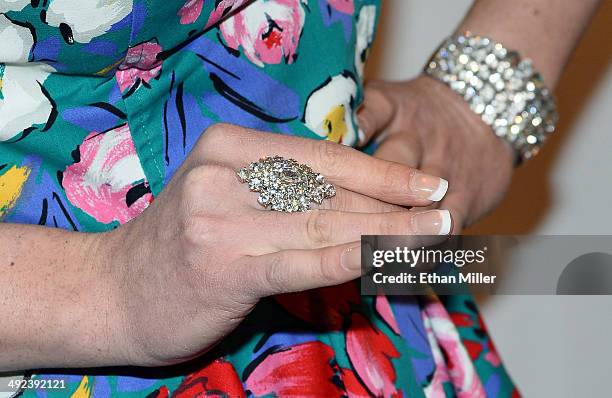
215	136
387	225
202	188
341	201
198	230
193	182
273	275
319	227
205	177
331	156
328	267
396	178
216	131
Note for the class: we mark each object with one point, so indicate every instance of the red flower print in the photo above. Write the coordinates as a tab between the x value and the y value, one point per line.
353	386
161	392
370	352
218	379
473	348
461	320
303	370
325	307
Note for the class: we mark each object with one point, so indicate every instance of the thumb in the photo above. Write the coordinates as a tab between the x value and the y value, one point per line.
376	112
298	270
402	148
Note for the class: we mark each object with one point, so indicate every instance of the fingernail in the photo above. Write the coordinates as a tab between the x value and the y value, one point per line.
429	187
351	258
433	222
361	137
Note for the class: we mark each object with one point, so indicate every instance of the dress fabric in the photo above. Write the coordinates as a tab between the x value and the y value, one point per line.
102	100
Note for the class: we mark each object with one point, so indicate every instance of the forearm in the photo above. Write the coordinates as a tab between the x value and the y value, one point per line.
54	298
544	30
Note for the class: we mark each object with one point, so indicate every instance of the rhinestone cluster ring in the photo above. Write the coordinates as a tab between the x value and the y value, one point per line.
285	185
503	89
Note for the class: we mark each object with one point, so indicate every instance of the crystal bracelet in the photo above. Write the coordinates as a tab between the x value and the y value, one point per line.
502	89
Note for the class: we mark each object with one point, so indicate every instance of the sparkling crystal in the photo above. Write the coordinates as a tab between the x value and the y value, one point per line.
285	185
480	55
487	93
488	118
469	93
479	108
491	60
526	66
243	175
500	51
474	66
263	200
458	86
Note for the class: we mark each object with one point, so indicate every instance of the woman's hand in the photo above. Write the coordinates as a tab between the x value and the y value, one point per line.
427	126
191	267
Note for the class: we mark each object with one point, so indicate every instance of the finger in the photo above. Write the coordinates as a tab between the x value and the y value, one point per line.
406	148
321	228
350	201
299	270
343	201
456	205
376	112
346	167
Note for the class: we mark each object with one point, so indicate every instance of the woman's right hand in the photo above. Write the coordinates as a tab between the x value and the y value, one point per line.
195	263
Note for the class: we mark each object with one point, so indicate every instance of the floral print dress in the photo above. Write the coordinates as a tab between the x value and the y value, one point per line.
102	100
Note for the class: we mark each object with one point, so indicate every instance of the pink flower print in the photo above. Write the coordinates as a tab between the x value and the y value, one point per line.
140	66
343	6
108	182
435	389
223	8
190	11
268	31
460	367
383	308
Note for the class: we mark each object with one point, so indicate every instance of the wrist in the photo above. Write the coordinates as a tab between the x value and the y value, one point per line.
99	310
463	124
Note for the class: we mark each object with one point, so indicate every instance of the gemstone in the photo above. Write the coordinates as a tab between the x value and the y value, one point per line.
285	185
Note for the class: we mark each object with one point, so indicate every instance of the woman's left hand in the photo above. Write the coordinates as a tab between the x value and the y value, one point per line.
427	126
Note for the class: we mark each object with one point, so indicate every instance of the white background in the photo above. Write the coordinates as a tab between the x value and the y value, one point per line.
553	346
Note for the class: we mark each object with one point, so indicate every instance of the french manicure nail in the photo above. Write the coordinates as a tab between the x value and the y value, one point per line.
351	258
429	187
433	222
361	137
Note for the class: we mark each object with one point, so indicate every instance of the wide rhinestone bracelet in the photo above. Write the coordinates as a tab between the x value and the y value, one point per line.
499	86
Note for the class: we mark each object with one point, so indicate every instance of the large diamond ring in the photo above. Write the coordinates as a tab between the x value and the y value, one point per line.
285	185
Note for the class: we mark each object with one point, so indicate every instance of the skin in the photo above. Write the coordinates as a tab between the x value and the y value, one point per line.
82	300
432	128
135	296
